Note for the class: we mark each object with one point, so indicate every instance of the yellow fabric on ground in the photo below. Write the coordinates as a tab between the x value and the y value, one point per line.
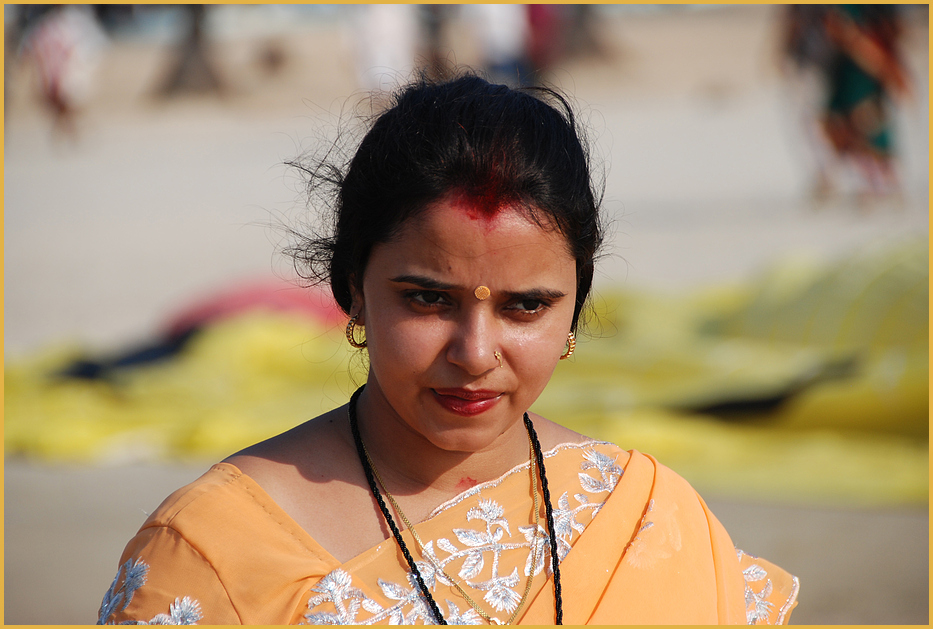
732	387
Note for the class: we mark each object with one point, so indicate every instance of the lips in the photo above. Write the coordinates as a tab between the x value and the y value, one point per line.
466	402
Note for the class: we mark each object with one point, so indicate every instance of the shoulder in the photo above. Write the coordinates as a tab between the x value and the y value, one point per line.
166	574
223	509
218	483
208	552
593	466
315	449
677	518
561	443
222	489
590	453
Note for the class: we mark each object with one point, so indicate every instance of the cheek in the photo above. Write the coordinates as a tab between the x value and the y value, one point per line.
402	346
535	355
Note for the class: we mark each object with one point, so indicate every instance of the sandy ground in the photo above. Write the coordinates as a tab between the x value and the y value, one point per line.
156	203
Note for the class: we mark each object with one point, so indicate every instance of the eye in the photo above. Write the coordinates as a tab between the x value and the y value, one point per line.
529	306
427	297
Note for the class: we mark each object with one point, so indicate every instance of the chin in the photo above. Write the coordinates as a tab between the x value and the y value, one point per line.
463	443
467	435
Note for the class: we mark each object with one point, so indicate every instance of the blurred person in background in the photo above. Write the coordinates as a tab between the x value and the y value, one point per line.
192	68
548	30
852	50
583	38
502	33
461	245
434	21
517	43
64	45
521	43
387	38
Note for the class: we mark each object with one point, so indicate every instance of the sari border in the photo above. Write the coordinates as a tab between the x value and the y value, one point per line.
472	491
789	603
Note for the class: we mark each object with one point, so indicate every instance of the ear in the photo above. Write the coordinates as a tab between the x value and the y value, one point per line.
357	305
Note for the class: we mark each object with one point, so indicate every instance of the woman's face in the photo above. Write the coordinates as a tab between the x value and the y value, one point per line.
432	343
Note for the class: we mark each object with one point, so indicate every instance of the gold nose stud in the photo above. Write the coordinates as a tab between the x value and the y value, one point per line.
482	293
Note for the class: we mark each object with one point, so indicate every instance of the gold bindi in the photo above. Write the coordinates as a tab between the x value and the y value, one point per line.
482	293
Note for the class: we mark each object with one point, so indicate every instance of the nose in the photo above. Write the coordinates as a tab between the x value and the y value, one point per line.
474	342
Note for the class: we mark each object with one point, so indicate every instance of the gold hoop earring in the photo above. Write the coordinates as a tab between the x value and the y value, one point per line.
351	325
571	345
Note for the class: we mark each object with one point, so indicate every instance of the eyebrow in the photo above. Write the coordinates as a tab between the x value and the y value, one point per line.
424	282
430	283
536	294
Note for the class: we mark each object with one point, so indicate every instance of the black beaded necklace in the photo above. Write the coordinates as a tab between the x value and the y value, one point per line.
549	512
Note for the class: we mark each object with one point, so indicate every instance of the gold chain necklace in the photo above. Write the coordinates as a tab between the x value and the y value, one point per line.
437	566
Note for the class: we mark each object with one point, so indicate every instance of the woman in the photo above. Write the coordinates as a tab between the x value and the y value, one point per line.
854	49
462	251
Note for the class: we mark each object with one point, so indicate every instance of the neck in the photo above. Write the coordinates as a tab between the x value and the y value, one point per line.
412	465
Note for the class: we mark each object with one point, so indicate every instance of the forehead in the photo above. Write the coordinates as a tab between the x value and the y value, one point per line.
454	235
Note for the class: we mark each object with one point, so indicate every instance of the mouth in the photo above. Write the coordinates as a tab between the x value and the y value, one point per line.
466	402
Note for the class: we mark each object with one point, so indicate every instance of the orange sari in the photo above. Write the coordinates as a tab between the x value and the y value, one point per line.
636	545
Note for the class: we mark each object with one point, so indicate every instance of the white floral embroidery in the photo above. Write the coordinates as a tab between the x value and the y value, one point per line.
637	551
469	617
664	539
609	471
184	611
565	517
480	548
757	607
337	588
116	599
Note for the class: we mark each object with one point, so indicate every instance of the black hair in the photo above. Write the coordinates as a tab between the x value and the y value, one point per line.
496	145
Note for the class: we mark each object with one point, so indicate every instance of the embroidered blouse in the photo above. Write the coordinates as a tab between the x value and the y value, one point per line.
636	545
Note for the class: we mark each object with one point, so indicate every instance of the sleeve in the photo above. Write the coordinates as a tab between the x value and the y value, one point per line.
770	592
163	579
751	590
